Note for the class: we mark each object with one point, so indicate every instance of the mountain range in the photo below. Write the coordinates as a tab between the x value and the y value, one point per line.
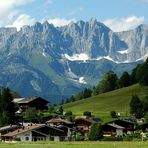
56	62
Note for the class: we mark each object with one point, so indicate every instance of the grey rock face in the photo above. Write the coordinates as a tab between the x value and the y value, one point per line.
137	41
57	62
92	38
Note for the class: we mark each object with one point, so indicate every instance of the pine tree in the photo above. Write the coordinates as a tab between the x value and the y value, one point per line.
124	80
136	107
7	107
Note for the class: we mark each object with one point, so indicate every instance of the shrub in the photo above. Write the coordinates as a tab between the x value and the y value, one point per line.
87	113
95	132
79	137
113	114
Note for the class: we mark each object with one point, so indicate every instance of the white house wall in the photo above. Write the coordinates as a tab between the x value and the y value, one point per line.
119	132
25	137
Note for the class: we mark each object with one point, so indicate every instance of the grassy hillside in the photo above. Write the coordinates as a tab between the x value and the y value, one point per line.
102	104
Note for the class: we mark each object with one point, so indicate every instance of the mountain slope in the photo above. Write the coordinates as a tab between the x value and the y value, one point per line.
117	100
56	62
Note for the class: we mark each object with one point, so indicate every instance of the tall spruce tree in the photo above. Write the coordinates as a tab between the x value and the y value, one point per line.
108	83
124	80
142	73
7	107
136	107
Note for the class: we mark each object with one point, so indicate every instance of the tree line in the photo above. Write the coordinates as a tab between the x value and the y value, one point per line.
111	81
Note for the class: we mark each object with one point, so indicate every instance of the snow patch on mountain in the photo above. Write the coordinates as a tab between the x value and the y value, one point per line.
143	58
9	54
82	80
108	58
71	74
35	85
77	57
123	51
43	53
84	57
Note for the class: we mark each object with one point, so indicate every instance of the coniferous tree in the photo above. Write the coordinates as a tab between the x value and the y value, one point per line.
7	107
108	83
142	73
136	107
145	104
133	78
87	93
124	80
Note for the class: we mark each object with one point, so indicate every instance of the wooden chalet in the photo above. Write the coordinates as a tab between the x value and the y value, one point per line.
83	125
7	129
32	132
36	102
64	125
112	129
118	127
128	125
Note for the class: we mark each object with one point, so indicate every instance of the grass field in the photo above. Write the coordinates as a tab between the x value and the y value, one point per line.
77	145
102	104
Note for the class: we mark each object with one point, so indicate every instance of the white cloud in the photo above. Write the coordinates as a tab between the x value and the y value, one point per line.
124	24
9	9
58	22
22	20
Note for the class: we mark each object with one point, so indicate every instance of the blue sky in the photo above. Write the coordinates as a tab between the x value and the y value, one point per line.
119	15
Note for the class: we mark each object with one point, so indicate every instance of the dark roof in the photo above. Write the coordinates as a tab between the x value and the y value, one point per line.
96	119
128	121
27	100
122	120
85	119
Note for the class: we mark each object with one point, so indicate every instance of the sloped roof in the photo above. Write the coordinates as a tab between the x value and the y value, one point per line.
8	127
27	100
16	100
27	129
85	119
58	120
122	120
116	126
23	130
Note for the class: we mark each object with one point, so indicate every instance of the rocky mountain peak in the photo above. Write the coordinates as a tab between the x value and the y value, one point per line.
46	60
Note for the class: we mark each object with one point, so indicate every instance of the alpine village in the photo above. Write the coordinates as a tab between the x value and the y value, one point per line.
73	73
35	119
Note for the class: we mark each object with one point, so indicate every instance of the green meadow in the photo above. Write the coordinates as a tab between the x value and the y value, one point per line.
101	105
77	145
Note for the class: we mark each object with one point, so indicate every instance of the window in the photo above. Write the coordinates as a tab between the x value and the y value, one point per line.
27	138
